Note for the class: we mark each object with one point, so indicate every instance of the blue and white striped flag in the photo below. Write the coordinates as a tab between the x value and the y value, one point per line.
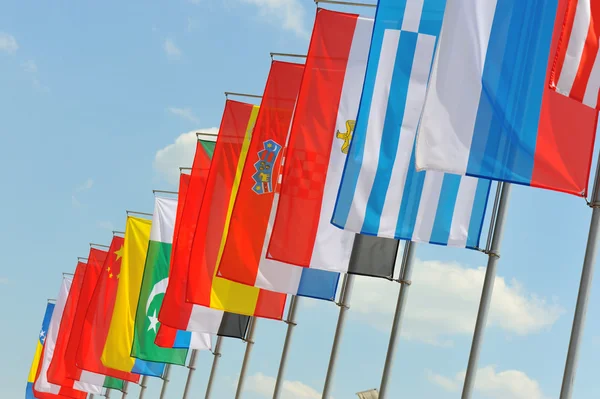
381	193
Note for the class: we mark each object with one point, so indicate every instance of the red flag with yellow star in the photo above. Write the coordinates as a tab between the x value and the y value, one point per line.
98	317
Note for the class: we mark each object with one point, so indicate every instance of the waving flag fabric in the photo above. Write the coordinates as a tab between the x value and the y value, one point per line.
204	286
175	311
43	388
99	314
490	111
319	139
91	273
62	367
381	193
576	71
154	285
38	351
117	349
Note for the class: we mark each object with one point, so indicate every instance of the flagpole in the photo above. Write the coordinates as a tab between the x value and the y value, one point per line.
213	370
165	379
249	345
143	386
291	322
125	384
107	394
191	367
493	251
344	306
405	276
583	297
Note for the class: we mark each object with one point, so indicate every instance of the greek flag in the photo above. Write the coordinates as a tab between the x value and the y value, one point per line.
381	193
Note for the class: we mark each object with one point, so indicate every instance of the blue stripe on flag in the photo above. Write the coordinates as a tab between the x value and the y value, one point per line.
478	213
445	210
29	391
182	339
151	369
319	284
514	80
432	14
413	188
391	129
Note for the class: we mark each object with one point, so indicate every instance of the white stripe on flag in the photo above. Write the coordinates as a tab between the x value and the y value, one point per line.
381	92
417	87
463	209
448	124
205	320
581	26
333	246
89	388
593	86
165	211
200	341
90	382
430	198
412	15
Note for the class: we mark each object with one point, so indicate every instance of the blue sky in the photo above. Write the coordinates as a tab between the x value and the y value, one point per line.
96	99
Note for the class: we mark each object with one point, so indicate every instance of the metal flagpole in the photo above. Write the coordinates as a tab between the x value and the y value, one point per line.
107	394
405	275
344	306
165	379
143	386
493	252
213	370
125	384
585	285
291	322
191	367
249	345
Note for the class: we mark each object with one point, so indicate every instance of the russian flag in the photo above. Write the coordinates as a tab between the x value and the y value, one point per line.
489	110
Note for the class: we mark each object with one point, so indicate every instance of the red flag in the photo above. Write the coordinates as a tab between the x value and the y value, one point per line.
64	393
254	200
98	316
57	372
96	260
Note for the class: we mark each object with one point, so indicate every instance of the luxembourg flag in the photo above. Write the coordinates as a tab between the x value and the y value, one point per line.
490	111
381	193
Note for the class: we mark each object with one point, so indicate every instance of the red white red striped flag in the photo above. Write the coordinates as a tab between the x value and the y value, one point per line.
576	72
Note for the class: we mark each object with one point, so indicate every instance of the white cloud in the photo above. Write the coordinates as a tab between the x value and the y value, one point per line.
171	49
75	202
508	384
89	183
264	386
443	302
29	66
290	13
185	113
8	43
169	159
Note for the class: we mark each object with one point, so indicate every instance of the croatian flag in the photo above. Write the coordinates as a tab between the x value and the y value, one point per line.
490	111
381	193
577	68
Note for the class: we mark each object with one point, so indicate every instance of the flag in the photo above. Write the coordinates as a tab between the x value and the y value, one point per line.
113	383
154	285
203	287
44	389
61	365
38	351
381	193
175	311
576	68
319	139
252	196
490	111
92	271
119	340
98	316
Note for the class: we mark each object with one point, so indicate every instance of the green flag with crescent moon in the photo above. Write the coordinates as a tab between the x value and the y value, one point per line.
154	285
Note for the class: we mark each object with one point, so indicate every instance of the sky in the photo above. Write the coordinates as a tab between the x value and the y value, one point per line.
97	100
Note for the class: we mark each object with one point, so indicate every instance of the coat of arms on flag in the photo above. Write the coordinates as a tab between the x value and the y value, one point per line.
346	136
264	167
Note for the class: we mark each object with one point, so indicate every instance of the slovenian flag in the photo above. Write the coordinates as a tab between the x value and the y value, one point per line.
490	111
